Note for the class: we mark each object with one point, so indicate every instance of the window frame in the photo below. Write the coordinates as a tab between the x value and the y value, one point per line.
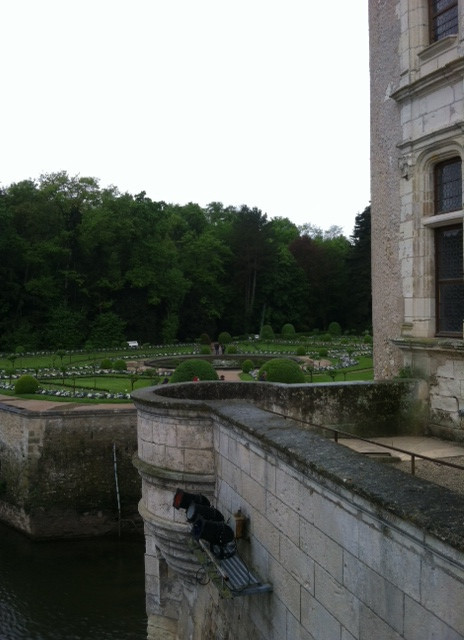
434	14
441	282
447	219
438	182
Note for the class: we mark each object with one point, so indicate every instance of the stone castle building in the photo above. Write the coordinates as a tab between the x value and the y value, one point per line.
417	144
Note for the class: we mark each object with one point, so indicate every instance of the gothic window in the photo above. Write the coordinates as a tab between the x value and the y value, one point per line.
448	186
443	18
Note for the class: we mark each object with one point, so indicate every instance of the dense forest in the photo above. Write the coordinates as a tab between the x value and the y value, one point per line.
82	265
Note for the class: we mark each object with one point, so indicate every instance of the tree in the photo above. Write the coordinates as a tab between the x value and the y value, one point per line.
323	262
251	254
107	330
359	272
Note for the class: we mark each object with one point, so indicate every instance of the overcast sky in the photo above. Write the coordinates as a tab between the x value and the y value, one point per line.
256	102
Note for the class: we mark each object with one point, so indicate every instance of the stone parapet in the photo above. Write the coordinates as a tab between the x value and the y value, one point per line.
351	547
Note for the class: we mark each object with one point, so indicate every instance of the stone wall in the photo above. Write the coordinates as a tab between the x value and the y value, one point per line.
57	470
387	304
353	549
417	113
441	363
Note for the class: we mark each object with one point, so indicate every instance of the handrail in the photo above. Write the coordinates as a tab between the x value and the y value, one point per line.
347	434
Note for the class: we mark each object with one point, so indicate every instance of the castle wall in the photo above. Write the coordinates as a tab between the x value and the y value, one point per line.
353	549
387	305
57	468
417	115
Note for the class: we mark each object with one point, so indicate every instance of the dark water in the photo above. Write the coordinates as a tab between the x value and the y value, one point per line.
71	590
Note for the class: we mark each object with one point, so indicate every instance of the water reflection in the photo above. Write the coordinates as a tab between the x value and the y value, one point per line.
73	590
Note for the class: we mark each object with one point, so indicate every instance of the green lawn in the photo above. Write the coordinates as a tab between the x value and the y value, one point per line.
80	377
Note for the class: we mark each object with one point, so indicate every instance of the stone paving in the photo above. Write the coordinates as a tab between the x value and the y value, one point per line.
435	448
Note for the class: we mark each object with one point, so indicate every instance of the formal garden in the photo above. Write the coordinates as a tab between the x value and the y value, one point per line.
110	375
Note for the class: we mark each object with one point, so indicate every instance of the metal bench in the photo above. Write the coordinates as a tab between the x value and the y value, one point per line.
231	575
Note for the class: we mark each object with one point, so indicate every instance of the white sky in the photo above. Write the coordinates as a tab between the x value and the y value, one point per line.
257	102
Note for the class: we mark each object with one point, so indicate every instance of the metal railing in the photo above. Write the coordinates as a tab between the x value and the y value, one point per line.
346	434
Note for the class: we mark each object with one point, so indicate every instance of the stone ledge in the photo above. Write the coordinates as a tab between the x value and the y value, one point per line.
435	510
443	345
150	471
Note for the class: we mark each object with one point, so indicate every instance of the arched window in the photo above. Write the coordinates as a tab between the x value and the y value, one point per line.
443	18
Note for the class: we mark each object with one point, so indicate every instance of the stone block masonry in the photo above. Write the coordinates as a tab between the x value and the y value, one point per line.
354	549
57	471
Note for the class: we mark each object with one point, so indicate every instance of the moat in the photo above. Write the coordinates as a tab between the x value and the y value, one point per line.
79	590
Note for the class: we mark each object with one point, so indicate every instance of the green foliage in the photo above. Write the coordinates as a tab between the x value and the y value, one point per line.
282	370
300	351
247	366
267	332
188	369
327	337
106	364
224	338
367	339
107	330
323	353
73	252
120	365
205	350
358	266
231	349
288	331
64	327
205	339
26	384
334	329
9	371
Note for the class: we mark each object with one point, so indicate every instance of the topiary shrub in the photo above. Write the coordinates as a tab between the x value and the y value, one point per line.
300	351
267	332
205	350
224	338
288	331
120	365
26	384
231	349
334	329
323	353
281	370
367	339
247	366
188	369
106	364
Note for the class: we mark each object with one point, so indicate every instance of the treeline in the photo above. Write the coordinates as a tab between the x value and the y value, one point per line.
80	264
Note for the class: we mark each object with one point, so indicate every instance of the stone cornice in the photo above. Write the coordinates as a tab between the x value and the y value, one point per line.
444	345
443	76
441	134
438	47
150	471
